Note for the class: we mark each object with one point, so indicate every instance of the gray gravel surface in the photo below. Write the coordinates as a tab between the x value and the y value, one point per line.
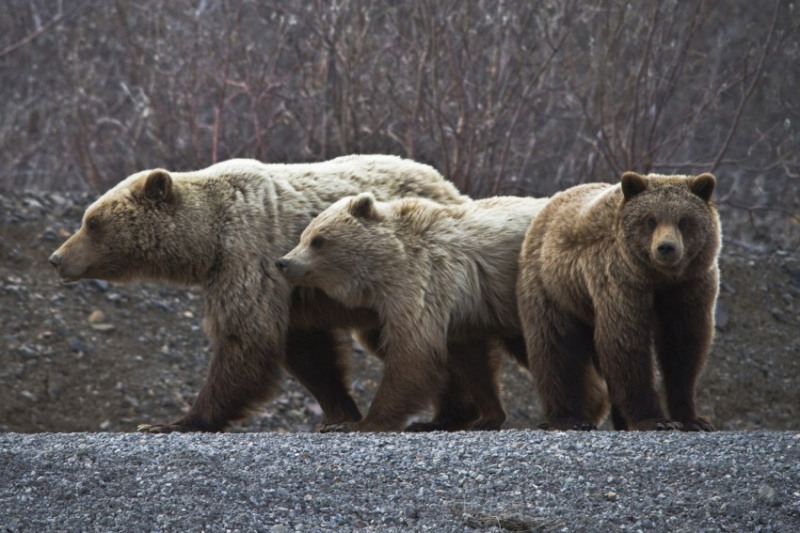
511	480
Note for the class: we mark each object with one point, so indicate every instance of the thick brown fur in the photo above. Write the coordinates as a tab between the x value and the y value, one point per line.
442	281
222	228
608	276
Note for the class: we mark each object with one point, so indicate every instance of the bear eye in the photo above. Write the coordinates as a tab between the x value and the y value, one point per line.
317	242
92	224
651	223
682	224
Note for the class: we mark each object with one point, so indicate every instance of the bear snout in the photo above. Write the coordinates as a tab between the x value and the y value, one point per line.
291	269
668	253
55	260
667	246
666	249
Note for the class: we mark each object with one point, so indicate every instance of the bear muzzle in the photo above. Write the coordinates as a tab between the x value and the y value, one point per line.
62	268
291	269
667	248
667	253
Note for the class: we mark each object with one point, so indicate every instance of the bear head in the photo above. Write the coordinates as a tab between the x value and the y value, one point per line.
344	250
669	223
129	232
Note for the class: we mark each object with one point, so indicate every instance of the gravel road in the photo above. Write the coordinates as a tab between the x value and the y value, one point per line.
515	480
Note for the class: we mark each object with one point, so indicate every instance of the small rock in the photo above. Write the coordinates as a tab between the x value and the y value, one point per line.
105	425
610	496
114	297
794	273
768	495
777	314
29	395
721	317
30	351
103	327
279	528
100	284
77	346
411	512
97	316
53	391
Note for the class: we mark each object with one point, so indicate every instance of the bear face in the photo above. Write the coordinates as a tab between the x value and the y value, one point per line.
121	234
325	257
666	223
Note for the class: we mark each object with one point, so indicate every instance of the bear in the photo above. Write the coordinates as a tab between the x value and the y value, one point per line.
434	274
222	228
611	276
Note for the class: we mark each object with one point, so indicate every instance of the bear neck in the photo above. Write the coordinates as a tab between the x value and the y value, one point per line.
188	249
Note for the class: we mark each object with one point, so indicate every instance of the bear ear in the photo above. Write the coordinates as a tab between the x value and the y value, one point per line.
703	185
633	184
158	186
363	206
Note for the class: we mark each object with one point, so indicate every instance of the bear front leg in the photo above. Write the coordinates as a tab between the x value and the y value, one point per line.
622	338
559	350
241	374
683	340
414	372
318	359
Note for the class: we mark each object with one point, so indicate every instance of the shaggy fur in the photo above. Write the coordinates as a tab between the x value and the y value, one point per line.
436	275
608	275
222	228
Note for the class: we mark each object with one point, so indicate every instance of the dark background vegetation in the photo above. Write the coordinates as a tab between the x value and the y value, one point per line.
502	96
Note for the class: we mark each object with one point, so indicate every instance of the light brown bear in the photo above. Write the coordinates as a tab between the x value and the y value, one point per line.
433	273
223	228
608	275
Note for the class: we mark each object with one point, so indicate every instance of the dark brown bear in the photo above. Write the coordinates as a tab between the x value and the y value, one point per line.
610	275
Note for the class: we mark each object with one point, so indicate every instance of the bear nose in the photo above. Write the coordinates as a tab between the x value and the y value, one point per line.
282	263
55	260
666	248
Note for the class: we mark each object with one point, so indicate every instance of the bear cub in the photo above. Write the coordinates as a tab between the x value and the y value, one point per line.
435	274
609	277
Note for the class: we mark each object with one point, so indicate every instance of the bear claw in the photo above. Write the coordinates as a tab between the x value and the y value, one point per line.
160	428
698	424
568	425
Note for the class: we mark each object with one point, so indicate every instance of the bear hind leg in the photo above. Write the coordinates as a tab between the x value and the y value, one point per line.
318	360
471	399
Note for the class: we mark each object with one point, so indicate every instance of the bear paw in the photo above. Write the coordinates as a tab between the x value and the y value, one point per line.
487	424
698	424
433	425
340	427
162	428
655	424
567	424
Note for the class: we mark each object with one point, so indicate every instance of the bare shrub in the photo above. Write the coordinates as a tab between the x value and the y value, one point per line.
503	96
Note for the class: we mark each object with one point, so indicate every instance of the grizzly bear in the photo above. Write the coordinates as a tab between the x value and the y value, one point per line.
223	228
433	273
609	275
